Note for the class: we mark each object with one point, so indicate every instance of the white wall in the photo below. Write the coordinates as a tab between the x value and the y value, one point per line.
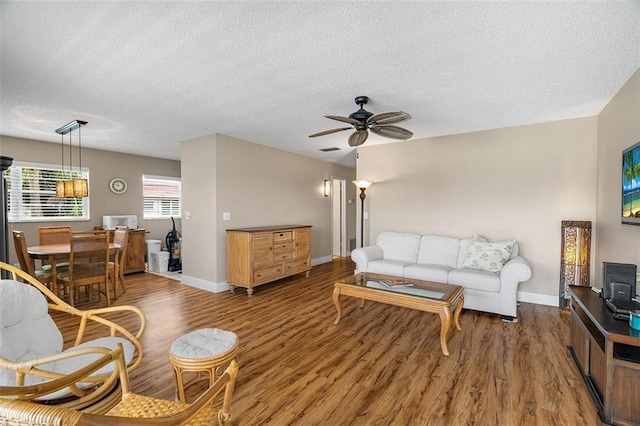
518	183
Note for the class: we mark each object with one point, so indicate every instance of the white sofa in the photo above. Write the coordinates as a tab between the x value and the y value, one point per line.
489	271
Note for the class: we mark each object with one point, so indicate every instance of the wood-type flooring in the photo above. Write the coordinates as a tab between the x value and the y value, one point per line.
381	365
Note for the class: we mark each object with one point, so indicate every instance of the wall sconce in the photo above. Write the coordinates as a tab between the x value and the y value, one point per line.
575	255
327	188
78	186
363	185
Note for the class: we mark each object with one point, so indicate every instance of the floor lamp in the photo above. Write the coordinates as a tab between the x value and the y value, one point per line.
575	254
363	185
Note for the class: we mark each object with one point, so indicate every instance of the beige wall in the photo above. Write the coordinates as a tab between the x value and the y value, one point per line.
199	186
518	182
618	129
258	186
103	166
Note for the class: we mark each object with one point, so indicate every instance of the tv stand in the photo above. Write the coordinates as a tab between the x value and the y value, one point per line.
607	354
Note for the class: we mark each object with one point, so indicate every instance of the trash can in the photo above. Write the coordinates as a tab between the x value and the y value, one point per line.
153	246
159	261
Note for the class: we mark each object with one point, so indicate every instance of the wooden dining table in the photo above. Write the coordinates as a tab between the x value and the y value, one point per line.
51	253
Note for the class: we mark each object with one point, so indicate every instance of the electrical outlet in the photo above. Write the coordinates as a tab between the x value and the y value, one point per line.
226	215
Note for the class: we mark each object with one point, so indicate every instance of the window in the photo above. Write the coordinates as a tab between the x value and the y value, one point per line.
32	194
162	197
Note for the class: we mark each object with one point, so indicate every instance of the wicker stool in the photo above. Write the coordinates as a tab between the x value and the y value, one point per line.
201	351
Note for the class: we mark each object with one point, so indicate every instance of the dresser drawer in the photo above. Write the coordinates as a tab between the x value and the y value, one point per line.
279	257
296	265
280	246
282	236
267	274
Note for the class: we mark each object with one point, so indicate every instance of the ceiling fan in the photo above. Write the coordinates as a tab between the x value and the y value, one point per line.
362	121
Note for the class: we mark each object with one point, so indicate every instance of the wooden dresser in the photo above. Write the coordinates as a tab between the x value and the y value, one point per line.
136	249
607	354
258	256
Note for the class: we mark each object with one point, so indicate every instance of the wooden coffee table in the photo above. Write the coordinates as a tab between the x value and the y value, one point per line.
423	296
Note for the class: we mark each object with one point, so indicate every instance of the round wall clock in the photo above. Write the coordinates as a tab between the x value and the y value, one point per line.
118	185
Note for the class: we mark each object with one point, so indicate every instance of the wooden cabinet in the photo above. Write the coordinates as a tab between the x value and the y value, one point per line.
258	256
136	249
607	353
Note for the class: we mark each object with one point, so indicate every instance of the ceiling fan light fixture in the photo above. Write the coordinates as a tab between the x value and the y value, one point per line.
363	121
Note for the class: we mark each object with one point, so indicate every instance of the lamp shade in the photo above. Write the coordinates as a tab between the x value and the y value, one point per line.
68	189
362	184
60	189
327	188
80	187
575	255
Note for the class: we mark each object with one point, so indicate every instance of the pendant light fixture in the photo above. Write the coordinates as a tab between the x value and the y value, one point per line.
77	187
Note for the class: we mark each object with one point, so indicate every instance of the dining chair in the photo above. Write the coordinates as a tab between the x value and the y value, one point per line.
88	266
116	266
54	235
26	263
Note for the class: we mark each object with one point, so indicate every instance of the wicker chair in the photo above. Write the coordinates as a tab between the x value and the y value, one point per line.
132	409
31	344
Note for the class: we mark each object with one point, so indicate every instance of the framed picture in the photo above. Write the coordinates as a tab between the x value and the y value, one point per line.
631	185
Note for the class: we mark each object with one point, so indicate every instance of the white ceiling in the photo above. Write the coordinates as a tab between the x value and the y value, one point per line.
148	75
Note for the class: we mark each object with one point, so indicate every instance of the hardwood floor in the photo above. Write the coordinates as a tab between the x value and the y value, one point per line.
381	365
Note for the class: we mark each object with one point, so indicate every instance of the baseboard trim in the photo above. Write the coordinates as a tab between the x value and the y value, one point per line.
204	284
538	299
320	260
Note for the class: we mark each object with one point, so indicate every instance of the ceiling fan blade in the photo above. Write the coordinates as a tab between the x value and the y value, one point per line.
358	137
328	132
344	119
393	132
385	118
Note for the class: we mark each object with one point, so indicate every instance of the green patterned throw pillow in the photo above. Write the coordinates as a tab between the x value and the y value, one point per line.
488	256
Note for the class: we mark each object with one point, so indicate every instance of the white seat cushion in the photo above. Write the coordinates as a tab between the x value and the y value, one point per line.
473	278
427	272
27	332
388	267
204	343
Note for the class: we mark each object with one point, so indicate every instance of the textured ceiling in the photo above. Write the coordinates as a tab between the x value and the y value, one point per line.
147	76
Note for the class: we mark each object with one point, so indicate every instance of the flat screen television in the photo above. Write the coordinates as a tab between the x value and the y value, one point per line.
631	185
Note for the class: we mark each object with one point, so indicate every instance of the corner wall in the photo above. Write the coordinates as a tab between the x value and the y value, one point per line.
258	186
618	129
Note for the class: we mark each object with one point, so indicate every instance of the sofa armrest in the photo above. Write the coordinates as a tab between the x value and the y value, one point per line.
515	271
362	256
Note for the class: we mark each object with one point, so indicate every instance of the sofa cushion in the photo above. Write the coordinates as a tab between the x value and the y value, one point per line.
427	272
399	246
437	250
488	256
388	267
475	279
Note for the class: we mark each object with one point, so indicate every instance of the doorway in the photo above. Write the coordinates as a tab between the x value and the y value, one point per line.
340	246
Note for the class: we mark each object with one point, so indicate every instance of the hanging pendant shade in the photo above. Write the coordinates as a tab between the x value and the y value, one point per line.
60	189
80	187
68	189
75	187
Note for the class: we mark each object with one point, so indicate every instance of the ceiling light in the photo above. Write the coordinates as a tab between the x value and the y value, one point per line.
78	186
